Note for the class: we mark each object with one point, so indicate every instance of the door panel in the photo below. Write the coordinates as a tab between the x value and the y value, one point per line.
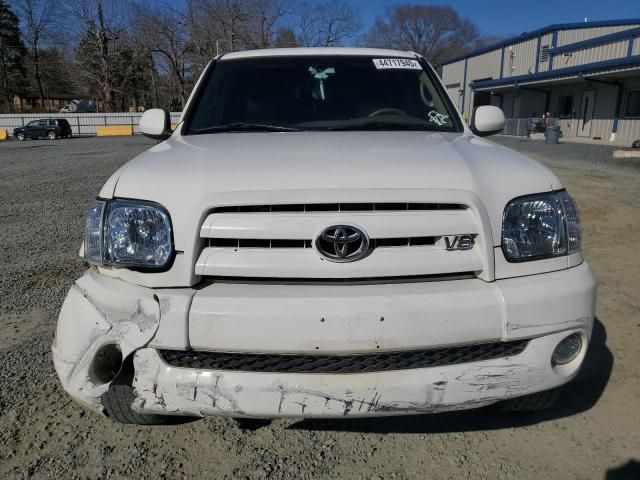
586	113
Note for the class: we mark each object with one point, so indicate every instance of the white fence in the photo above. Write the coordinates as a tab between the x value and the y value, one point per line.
81	123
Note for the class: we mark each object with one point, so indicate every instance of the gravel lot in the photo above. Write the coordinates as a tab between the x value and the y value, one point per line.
594	432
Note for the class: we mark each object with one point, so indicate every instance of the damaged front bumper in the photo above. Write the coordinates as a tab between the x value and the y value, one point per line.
163	389
100	311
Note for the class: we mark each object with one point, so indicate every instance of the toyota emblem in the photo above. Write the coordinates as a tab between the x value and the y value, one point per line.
342	243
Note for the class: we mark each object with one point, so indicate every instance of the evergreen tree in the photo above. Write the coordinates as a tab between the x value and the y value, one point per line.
12	52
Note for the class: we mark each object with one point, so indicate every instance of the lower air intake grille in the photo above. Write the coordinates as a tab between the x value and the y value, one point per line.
375	362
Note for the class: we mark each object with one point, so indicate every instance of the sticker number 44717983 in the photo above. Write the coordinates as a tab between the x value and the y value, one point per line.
389	63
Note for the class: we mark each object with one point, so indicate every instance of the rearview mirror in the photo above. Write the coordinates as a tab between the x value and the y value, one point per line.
156	124
487	120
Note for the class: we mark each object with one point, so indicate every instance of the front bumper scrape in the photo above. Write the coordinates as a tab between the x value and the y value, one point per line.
163	389
98	311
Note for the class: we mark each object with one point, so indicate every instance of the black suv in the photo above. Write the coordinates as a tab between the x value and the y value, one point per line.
51	128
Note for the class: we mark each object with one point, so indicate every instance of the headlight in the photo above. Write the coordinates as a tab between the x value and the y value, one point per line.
540	226
128	233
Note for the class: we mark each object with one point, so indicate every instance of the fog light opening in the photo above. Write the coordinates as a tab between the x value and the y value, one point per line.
106	363
567	350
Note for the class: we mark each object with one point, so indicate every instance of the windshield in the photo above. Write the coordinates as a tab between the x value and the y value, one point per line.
320	93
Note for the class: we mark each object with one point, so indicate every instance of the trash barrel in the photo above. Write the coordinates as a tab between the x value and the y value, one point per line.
552	135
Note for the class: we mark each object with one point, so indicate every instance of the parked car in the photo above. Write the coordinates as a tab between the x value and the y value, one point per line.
50	128
635	144
331	241
80	106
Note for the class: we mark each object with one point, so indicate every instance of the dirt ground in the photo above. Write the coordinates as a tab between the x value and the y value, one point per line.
593	432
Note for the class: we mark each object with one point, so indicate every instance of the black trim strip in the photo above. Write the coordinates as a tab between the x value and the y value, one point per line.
339	364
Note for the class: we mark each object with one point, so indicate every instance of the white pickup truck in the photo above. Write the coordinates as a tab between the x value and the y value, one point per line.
322	235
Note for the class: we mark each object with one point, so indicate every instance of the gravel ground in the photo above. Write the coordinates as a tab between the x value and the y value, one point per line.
45	188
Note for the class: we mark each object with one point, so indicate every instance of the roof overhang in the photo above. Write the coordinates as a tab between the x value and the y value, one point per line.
620	66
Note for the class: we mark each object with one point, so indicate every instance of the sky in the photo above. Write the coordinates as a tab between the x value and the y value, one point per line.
513	17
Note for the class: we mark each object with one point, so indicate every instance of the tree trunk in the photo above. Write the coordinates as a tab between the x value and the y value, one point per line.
5	81
36	71
107	89
154	83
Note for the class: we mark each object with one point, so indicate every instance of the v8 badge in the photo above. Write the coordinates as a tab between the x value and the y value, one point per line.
458	242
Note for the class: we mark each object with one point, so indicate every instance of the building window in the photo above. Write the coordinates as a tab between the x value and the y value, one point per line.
544	53
565	107
632	104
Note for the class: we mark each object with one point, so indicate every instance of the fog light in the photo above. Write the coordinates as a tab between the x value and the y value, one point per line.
567	350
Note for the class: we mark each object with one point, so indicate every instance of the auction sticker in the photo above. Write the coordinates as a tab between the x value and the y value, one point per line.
392	63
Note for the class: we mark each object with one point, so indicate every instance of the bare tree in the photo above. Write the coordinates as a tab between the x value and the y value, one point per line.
202	31
328	23
165	35
435	31
38	17
286	37
100	50
263	21
230	17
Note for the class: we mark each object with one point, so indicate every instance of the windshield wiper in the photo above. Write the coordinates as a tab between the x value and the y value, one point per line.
380	125
246	127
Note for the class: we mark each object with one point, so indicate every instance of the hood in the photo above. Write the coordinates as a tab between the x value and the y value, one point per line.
190	174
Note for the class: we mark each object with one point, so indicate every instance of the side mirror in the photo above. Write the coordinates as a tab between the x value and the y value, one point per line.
487	120
156	124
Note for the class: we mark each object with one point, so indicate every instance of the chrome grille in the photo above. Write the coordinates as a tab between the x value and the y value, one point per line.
405	239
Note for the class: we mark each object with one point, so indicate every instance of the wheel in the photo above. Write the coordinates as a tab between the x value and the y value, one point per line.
530	403
51	135
20	137
117	402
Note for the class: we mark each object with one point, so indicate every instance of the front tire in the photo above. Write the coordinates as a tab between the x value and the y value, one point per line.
117	402
20	137
51	135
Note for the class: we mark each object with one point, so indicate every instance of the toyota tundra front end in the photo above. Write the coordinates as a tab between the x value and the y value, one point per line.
323	236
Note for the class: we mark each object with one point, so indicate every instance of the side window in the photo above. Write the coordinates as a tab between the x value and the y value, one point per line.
565	107
52	123
632	104
42	123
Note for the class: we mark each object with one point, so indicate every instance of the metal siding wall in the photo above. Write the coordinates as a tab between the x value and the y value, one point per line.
599	53
603	112
544	40
578	34
628	130
453	73
601	128
486	65
521	59
455	95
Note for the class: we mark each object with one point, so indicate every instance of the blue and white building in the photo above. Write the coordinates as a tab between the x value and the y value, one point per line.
585	74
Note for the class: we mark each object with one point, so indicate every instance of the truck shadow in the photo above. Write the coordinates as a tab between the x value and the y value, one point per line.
578	396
